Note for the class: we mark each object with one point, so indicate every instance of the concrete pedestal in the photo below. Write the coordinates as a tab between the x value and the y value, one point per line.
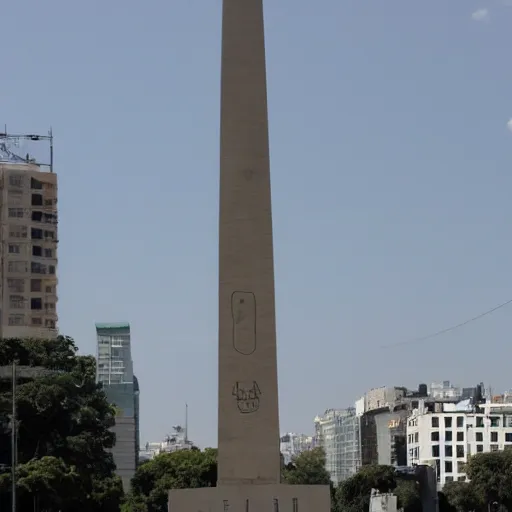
252	498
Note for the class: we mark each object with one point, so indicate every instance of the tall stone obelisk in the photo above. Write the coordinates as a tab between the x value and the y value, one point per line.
248	456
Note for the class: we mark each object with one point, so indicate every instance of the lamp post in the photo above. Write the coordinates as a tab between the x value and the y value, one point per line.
14	440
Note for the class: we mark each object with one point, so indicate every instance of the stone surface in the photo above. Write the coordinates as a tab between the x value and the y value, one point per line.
249	461
252	498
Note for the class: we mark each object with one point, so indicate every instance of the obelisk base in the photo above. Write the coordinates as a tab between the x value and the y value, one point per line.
252	498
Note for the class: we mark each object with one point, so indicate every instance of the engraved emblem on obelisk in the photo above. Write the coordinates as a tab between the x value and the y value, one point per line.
243	311
247	396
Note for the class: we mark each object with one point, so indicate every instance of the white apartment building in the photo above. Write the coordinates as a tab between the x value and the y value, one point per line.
28	247
446	434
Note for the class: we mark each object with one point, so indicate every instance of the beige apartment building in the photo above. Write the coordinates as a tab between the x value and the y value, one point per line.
28	249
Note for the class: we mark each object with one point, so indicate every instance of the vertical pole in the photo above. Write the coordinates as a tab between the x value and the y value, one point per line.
186	424
13	439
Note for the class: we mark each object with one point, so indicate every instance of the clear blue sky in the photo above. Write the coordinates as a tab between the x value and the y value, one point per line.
391	164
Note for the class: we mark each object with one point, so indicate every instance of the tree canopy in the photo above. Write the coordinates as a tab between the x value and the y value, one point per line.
64	423
176	470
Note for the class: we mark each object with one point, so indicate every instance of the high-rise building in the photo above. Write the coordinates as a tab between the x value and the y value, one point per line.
338	433
28	243
115	373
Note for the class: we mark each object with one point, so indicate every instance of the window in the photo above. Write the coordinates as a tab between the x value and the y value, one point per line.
37	250
17	266
461	467
50	202
49	289
507	421
51	269
448	450
50	218
448	435
460	421
461	478
435	450
16	285
16	301
36	303
37	200
36	184
16	180
434	436
448	479
508	437
448	466
16	319
494	437
438	469
460	451
37	234
416	437
479	422
37	216
479	448
14	249
37	321
460	436
49	306
494	447
18	231
479	436
448	421
495	421
50	323
35	285
16	213
48	253
435	422
49	234
37	268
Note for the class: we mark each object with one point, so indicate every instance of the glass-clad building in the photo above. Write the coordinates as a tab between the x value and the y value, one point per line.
115	373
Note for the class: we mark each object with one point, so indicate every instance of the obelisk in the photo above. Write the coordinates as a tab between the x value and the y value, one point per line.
248	428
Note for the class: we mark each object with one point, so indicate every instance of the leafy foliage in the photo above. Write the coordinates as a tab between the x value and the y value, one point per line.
177	470
308	468
64	432
353	495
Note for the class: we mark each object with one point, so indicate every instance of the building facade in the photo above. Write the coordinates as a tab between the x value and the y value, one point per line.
115	373
338	433
293	445
447	434
28	246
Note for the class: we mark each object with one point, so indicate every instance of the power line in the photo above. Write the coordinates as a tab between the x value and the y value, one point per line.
448	329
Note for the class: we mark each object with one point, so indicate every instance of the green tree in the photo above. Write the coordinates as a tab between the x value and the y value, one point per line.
64	423
353	495
177	470
308	468
490	477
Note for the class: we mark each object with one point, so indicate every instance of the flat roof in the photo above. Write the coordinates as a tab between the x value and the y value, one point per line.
119	325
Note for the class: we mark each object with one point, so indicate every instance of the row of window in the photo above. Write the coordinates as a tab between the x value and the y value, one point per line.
18	180
35	233
448	450
36	303
19	320
495	421
36	285
37	250
36	216
20	267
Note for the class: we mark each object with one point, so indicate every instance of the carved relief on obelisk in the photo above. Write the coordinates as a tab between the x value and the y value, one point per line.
243	311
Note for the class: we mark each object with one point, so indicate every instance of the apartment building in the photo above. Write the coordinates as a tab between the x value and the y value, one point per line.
28	247
446	434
